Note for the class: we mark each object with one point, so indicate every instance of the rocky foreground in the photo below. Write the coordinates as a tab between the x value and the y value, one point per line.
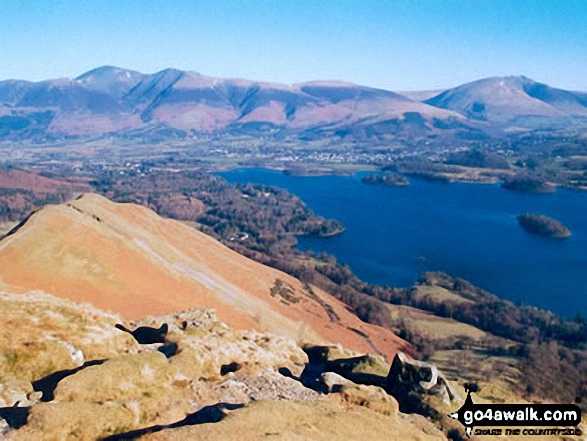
95	381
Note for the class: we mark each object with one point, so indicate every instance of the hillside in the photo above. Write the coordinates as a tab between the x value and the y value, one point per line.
23	191
239	351
68	373
126	259
99	383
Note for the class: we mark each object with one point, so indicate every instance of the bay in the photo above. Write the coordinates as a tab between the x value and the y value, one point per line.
393	234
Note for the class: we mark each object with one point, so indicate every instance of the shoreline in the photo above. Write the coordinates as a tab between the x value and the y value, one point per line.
355	169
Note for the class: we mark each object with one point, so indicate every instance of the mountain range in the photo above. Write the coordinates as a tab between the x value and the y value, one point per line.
115	101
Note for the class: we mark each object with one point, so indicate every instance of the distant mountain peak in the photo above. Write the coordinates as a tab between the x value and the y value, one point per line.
501	99
328	83
173	71
522	78
107	70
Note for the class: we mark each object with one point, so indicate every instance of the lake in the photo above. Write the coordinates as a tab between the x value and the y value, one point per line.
393	234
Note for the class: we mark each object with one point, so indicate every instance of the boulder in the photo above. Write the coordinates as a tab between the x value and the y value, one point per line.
408	376
371	397
332	382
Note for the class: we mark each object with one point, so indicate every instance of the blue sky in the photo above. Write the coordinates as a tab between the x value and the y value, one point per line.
397	45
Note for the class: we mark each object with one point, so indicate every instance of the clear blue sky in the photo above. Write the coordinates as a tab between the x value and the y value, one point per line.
397	45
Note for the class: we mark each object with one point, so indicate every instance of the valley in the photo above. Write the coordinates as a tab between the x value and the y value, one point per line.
440	318
112	119
293	220
181	192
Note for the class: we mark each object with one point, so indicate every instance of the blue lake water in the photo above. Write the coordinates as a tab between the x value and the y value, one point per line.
395	233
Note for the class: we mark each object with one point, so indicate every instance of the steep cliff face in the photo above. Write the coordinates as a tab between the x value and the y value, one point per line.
126	259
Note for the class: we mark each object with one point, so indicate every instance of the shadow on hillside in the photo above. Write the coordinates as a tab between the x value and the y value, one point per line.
319	364
408	381
146	335
47	385
208	414
15	416
169	349
18	226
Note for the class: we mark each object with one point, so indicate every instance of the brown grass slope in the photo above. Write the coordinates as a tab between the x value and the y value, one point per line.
126	259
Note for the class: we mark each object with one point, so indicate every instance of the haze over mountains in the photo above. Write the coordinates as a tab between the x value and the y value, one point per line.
111	100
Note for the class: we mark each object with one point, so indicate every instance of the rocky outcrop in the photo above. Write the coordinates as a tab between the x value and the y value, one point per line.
133	385
42	334
332	383
409	380
358	380
370	397
328	369
136	390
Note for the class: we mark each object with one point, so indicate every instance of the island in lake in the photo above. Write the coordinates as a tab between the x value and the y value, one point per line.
526	183
390	179
543	225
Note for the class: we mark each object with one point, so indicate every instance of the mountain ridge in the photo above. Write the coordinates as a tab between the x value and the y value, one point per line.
114	100
111	99
125	258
